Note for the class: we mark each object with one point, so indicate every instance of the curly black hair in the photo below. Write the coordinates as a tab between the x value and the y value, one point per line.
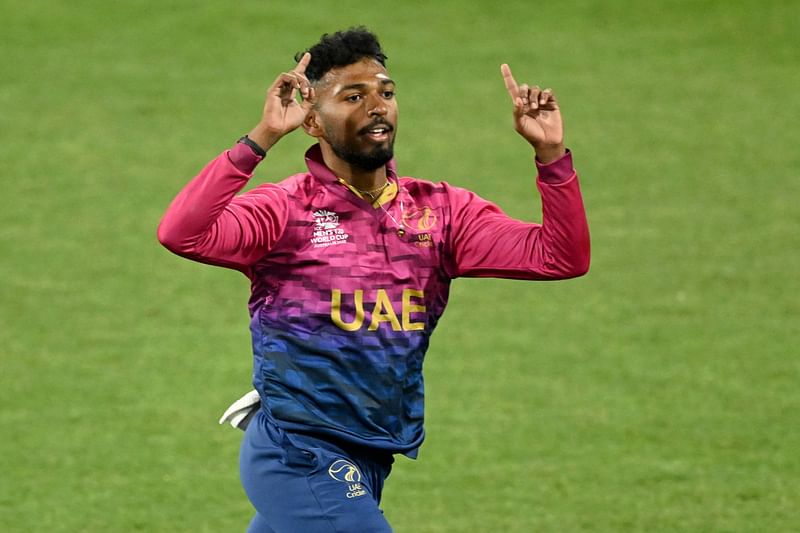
341	49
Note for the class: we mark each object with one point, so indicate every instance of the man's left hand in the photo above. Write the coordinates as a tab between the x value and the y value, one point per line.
536	117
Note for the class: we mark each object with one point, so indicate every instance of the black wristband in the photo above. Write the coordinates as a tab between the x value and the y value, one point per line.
252	144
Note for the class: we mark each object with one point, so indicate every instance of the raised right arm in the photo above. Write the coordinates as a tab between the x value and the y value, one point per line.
207	222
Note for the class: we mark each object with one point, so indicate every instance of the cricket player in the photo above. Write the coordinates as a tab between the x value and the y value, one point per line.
350	264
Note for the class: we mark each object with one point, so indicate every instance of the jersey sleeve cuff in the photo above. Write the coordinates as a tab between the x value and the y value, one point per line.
557	171
244	158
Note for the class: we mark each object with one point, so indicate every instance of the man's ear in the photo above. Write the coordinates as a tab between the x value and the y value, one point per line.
311	124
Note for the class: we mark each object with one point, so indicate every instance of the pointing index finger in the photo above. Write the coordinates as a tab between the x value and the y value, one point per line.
511	83
300	68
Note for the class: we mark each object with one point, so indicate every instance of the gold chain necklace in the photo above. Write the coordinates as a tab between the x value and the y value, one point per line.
374	193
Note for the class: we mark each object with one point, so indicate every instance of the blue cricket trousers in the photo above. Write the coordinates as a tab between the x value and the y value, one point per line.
302	484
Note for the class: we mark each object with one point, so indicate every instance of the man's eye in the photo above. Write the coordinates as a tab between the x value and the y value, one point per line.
354	98
388	94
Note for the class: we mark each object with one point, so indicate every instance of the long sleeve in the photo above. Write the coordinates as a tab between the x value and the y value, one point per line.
206	222
485	242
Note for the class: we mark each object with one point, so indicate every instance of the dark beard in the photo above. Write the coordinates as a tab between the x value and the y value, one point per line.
371	160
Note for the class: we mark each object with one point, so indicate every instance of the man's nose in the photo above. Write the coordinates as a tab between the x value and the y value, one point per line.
376	106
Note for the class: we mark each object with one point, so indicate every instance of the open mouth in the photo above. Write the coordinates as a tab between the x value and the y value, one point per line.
378	132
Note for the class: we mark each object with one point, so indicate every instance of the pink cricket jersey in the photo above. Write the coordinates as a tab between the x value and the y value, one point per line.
345	295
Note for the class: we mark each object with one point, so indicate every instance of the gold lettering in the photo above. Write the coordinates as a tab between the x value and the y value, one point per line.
383	312
409	308
336	310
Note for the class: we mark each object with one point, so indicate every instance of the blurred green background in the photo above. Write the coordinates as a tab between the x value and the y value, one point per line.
659	393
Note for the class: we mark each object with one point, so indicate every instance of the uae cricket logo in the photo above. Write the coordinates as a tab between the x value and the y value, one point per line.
326	229
420	218
346	472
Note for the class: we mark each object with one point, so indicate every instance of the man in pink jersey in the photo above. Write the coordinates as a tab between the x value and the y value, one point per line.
350	266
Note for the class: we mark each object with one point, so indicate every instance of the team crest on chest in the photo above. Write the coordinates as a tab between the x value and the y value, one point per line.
326	229
422	219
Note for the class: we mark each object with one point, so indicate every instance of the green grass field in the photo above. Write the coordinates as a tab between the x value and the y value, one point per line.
659	393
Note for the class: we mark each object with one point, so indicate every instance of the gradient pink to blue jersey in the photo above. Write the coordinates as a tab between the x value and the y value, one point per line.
345	295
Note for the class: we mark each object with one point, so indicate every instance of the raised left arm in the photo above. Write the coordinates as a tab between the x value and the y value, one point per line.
485	242
537	117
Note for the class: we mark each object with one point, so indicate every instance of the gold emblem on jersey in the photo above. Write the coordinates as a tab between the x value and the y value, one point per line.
420	218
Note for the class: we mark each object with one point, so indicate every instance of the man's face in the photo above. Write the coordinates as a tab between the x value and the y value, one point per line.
356	112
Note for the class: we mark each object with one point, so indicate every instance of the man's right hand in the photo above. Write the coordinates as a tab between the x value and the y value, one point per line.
282	112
